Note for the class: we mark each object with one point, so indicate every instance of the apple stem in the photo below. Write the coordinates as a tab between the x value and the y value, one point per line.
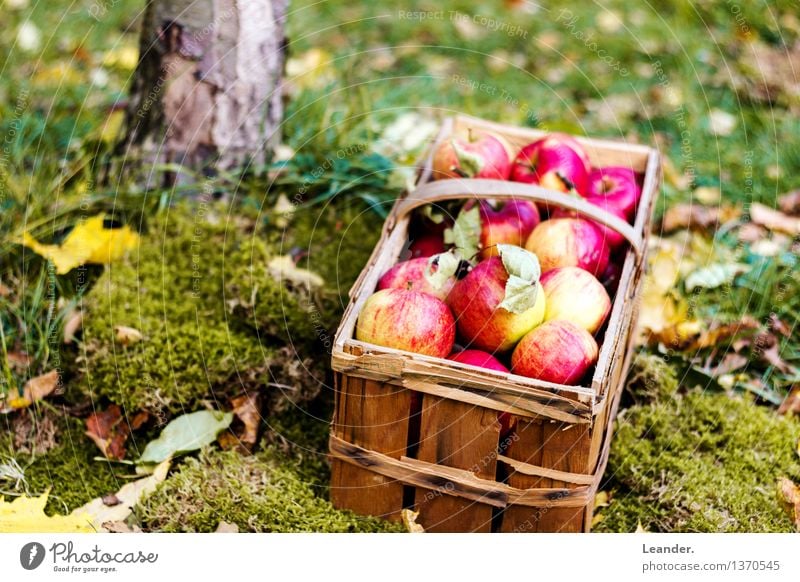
459	171
567	182
470	139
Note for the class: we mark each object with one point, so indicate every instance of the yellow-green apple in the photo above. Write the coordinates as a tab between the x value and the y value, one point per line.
499	300
557	162
478	358
411	275
614	187
511	223
477	154
569	242
575	295
557	351
407	320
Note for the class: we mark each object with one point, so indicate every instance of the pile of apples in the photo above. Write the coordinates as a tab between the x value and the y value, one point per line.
507	285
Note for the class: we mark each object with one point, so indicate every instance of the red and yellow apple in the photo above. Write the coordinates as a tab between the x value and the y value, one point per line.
512	223
569	242
557	162
407	320
481	322
476	154
575	295
557	351
411	275
612	238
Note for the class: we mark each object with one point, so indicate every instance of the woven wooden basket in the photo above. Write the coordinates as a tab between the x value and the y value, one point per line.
411	431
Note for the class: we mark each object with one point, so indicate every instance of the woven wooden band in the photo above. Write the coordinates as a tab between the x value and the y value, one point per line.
456	188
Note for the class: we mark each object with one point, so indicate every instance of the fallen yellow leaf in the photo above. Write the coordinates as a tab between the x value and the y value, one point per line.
127	336
410	521
88	242
26	515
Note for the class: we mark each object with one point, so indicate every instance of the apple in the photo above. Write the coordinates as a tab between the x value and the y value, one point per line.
575	295
426	245
557	351
613	239
411	275
569	242
512	224
556	162
614	187
478	358
478	154
407	320
481	322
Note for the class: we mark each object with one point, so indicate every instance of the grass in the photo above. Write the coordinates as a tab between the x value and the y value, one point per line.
666	69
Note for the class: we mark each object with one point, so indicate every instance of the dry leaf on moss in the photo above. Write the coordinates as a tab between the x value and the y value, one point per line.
26	515
127	336
790	202
99	514
791	405
89	242
109	430
244	430
696	216
284	268
789	495
73	323
35	389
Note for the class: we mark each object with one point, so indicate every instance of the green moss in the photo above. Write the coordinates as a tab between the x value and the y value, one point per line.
257	493
651	379
68	469
700	463
191	290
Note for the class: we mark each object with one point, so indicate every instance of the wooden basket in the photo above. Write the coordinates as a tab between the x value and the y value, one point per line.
411	431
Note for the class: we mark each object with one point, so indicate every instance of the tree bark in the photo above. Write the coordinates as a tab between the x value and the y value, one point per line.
207	88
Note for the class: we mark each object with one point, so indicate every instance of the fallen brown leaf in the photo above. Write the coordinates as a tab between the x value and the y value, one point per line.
750	233
20	361
789	496
697	217
730	363
244	431
225	527
791	404
72	325
777	325
110	431
774	219
35	389
34	434
765	346
127	336
790	202
717	334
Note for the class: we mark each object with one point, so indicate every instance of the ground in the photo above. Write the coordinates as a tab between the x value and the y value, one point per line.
711	84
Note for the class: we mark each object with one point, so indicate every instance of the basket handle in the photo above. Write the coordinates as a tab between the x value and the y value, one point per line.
455	188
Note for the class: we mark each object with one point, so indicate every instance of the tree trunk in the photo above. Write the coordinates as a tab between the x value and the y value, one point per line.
207	89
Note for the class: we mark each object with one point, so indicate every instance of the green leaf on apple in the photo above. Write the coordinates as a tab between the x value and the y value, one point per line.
441	268
523	271
465	233
470	163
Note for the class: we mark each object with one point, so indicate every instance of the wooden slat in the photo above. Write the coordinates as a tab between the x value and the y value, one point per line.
534	471
373	416
462	436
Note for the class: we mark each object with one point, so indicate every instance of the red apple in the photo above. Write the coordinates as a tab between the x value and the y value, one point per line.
610	277
476	155
614	187
426	245
511	224
613	239
407	320
557	162
556	351
569	242
478	358
575	295
411	275
481	322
